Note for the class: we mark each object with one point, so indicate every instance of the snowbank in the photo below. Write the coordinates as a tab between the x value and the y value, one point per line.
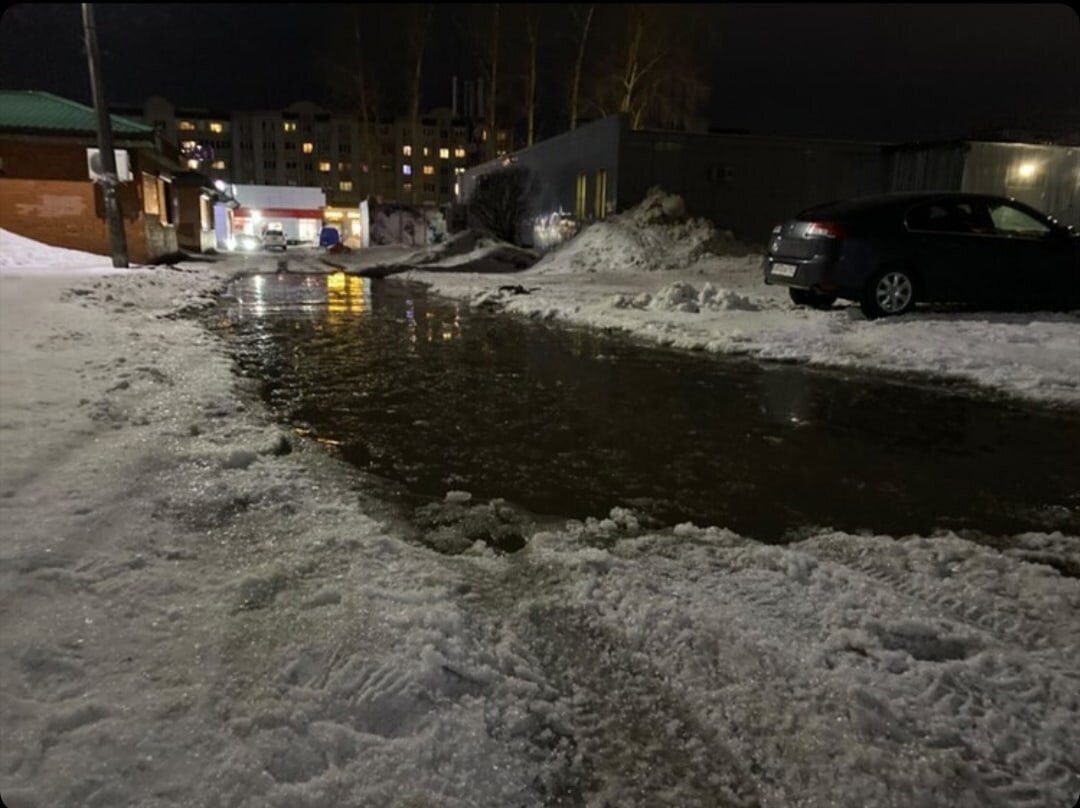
200	609
653	274
653	236
20	253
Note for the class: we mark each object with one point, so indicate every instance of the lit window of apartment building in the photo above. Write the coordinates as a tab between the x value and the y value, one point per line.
308	147
444	154
345	185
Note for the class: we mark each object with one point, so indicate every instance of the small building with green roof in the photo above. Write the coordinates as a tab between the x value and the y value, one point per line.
47	188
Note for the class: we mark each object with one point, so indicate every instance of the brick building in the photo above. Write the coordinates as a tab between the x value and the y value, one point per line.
46	192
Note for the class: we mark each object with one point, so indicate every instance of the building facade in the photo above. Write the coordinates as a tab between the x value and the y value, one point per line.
1043	175
298	212
747	183
46	189
305	145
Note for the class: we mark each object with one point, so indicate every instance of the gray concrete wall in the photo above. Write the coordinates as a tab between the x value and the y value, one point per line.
1045	177
747	184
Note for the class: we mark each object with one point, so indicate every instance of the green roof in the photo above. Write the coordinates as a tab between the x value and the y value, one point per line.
30	110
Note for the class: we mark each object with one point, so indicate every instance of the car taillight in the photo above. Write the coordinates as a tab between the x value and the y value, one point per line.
823	230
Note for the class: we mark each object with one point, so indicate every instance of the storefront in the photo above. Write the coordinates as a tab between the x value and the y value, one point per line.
352	224
297	212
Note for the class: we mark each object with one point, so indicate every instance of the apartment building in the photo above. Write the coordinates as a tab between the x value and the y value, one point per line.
305	145
203	136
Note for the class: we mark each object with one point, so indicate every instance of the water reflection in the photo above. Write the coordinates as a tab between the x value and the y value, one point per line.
436	397
347	293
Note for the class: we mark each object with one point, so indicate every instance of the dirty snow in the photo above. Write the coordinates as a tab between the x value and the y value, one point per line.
200	609
657	275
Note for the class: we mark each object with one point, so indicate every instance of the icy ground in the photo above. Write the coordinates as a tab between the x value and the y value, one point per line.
655	274
198	611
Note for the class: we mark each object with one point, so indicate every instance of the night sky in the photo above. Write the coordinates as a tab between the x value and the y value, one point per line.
886	72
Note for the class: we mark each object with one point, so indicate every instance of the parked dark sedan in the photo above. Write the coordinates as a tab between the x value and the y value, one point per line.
889	252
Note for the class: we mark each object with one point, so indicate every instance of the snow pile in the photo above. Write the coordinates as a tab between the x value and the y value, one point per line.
188	591
654	235
684	296
19	252
1033	355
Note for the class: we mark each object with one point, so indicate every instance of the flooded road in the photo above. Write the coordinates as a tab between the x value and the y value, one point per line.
435	397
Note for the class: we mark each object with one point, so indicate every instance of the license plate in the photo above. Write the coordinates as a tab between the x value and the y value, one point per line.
784	270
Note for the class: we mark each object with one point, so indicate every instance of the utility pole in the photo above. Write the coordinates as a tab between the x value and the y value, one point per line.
110	186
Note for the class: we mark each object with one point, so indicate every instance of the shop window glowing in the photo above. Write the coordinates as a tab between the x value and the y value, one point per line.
308	148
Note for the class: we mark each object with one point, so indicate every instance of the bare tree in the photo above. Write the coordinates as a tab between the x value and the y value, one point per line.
493	77
575	81
499	201
366	99
532	30
649	74
419	26
364	70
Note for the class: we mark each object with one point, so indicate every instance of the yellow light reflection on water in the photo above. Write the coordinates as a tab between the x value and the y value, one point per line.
345	293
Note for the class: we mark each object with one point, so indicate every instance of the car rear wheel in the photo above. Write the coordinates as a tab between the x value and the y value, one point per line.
890	291
808	297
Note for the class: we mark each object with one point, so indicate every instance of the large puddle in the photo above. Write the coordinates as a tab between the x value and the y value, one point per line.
437	397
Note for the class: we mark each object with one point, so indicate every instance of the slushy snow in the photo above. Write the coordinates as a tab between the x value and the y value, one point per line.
200	609
652	273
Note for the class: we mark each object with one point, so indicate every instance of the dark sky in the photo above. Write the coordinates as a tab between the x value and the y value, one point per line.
889	72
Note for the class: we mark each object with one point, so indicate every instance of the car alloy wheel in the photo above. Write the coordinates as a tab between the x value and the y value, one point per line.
890	291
